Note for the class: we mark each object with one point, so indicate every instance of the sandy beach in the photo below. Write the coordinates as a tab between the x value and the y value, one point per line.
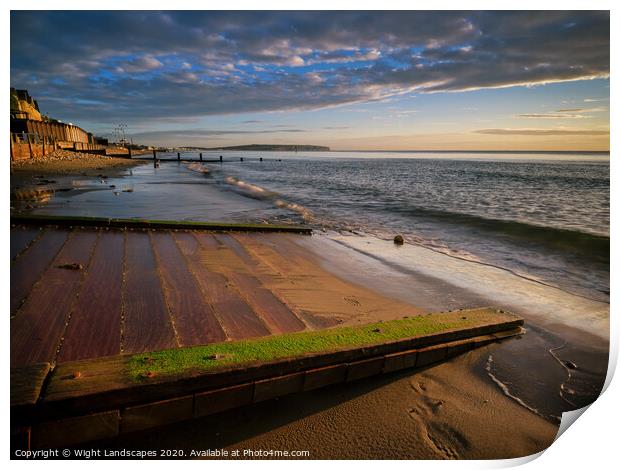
62	162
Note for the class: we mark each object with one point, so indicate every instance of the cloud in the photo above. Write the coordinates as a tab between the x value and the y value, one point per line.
558	115
540	132
138	62
144	63
567	113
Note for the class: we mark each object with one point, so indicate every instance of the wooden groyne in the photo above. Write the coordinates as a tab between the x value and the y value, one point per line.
78	221
102	398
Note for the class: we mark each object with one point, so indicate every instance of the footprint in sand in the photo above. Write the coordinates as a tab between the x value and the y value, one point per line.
443	439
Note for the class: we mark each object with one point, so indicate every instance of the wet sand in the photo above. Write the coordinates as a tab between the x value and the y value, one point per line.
448	411
33	182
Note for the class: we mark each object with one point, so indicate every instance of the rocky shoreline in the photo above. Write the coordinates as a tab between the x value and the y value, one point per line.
65	162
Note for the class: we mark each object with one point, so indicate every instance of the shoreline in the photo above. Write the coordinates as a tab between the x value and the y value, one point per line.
549	344
68	163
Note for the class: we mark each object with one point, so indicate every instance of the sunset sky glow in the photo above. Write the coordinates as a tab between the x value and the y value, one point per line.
349	80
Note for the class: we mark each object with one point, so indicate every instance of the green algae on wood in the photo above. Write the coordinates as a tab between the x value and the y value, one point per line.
154	224
210	358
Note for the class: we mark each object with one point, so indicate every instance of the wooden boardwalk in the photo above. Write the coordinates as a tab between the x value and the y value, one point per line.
133	291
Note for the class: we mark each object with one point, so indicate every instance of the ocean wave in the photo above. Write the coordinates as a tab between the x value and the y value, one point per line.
506	391
256	192
198	167
593	245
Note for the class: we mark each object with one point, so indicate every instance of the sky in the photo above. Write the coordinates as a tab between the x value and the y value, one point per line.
416	80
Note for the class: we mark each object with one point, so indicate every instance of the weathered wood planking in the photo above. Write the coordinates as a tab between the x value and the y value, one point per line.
21	237
194	318
277	316
237	317
27	269
95	327
105	383
289	255
26	383
147	324
38	327
267	250
233	244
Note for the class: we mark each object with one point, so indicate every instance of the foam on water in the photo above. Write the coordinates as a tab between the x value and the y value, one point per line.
548	303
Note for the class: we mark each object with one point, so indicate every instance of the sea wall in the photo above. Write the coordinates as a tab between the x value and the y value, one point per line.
25	150
28	150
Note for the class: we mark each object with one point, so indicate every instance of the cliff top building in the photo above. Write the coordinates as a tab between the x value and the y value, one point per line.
24	106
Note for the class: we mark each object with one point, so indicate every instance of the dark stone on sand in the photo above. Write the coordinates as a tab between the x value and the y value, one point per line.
399	240
570	365
72	266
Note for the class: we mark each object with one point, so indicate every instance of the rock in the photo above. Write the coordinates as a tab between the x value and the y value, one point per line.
72	266
399	240
570	365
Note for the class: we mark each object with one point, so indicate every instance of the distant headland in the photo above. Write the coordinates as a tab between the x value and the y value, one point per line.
268	148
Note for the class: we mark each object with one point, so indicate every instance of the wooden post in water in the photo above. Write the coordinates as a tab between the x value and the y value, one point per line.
154	154
261	159
129	149
241	159
200	156
221	159
179	156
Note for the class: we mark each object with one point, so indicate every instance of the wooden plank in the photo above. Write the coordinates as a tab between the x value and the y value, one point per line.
275	314
38	327
147	325
95	327
106	383
28	268
271	309
32	219
21	237
194	319
236	316
233	244
267	249
26	383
